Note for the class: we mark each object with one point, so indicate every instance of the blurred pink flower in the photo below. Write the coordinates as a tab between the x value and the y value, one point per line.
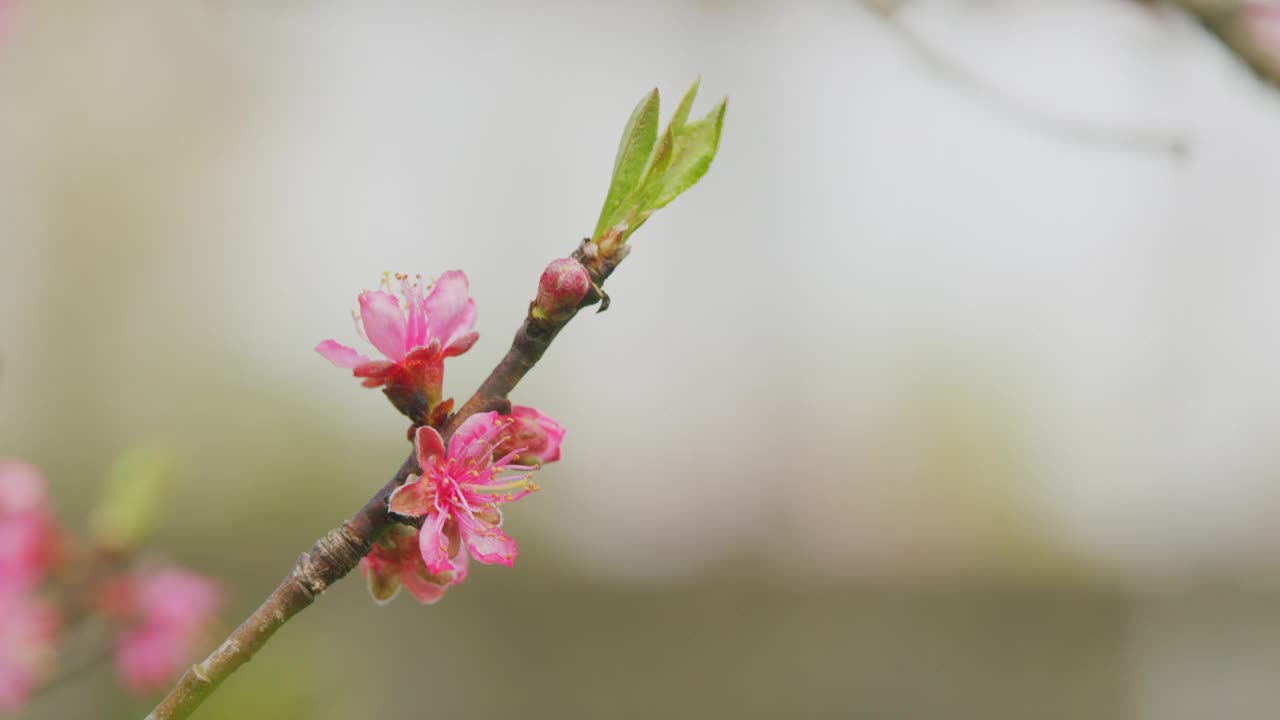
537	434
459	493
27	631
28	540
396	560
168	613
1263	20
415	339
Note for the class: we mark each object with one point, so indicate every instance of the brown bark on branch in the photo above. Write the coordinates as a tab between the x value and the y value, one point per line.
340	550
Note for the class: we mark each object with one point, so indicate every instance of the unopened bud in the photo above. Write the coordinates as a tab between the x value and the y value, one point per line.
536	435
563	285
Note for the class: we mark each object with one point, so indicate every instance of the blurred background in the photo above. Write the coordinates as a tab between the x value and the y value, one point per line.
951	391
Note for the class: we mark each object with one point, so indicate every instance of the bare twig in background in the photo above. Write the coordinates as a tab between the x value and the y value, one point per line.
1228	21
1024	112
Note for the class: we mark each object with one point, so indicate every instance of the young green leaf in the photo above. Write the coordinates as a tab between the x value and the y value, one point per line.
634	149
696	147
134	488
681	115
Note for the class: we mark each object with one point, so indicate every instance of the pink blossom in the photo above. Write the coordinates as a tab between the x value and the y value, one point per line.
415	333
1263	21
396	560
459	492
28	548
27	631
167	615
536	433
28	539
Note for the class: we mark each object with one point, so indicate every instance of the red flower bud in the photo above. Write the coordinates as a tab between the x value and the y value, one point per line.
536	436
563	285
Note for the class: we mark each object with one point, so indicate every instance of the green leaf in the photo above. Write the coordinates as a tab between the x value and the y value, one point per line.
134	487
638	138
696	147
674	162
637	207
681	115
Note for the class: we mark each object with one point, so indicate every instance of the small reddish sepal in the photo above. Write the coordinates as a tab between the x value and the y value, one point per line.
411	500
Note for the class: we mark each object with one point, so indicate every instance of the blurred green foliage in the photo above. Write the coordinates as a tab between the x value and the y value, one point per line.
132	496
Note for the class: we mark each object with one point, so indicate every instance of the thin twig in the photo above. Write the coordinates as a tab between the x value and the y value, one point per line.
340	550
1022	111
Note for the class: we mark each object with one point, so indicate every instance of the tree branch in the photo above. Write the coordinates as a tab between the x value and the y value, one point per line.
1228	21
340	550
1021	111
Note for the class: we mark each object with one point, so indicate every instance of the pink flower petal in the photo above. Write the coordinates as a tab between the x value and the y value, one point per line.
450	312
417	324
1263	21
26	550
340	355
16	686
384	323
175	607
426	587
422	589
461	566
412	499
27	534
469	438
148	656
430	447
27	632
537	432
176	597
21	487
433	544
487	544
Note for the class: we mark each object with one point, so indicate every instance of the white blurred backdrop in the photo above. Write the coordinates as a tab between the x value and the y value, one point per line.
897	335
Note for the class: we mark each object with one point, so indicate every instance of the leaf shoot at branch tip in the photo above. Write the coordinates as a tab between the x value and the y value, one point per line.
651	170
